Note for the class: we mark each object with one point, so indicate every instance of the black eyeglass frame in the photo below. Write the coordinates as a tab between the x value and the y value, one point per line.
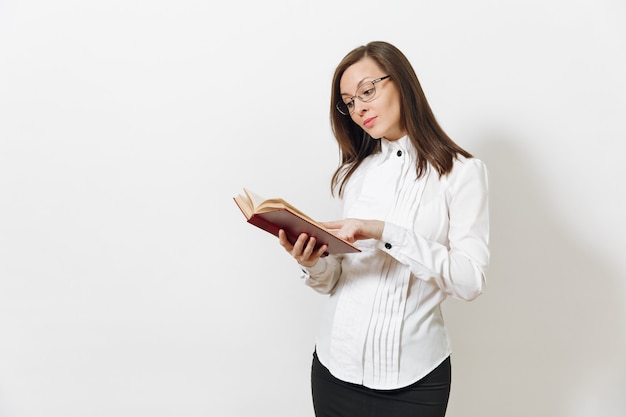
342	104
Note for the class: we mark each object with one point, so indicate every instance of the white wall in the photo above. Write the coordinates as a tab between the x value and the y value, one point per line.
130	284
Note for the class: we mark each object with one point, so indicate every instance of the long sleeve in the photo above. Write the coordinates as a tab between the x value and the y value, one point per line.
323	276
459	267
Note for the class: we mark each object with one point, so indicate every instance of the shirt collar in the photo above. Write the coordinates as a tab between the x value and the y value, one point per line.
391	147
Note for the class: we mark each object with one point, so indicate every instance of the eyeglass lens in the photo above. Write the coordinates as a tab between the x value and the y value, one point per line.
365	93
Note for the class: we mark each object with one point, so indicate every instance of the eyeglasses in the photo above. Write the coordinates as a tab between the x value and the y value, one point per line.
366	92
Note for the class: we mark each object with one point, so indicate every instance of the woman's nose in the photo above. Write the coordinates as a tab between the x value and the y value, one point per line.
360	107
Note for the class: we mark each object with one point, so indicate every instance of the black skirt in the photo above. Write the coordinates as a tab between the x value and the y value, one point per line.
427	397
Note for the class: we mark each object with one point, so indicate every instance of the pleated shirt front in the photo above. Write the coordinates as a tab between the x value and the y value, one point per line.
383	326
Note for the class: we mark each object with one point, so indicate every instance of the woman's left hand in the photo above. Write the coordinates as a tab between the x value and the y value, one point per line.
352	230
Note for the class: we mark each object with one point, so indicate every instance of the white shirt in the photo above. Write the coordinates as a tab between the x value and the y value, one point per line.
383	326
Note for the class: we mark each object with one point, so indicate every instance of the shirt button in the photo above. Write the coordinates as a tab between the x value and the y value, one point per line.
399	153
388	245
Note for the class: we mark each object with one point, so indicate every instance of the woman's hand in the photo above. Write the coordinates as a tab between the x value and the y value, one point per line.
303	249
352	230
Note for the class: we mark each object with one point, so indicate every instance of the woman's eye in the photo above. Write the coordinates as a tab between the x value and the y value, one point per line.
350	104
368	92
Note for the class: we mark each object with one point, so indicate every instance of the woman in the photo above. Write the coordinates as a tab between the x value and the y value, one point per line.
416	204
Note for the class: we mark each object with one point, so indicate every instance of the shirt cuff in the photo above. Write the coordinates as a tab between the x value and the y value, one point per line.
317	269
391	238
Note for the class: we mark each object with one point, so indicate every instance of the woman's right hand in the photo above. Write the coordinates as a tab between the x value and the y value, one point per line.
303	249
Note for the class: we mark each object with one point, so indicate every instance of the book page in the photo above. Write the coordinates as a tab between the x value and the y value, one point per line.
254	199
261	204
244	204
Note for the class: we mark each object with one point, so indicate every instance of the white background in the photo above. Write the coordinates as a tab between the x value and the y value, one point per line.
130	284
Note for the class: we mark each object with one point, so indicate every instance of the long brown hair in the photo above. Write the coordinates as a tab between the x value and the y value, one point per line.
433	145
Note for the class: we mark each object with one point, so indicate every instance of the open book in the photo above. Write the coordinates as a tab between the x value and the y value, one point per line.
274	214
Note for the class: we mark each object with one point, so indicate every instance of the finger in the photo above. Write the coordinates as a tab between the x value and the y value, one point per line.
321	252
282	237
309	248
303	249
337	224
300	244
311	254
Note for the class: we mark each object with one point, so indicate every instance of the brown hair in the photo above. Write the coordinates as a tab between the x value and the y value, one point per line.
432	143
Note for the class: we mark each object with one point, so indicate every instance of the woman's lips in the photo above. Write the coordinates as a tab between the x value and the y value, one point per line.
369	122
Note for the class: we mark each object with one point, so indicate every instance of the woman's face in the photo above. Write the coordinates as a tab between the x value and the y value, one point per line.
379	117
